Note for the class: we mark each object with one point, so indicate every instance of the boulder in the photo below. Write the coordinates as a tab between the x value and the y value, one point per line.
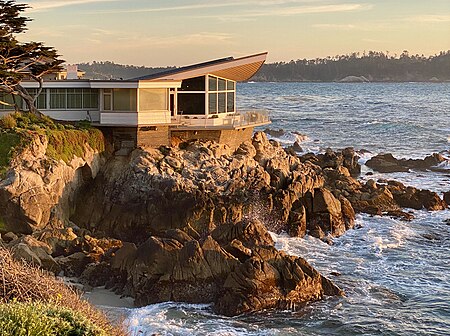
387	163
447	197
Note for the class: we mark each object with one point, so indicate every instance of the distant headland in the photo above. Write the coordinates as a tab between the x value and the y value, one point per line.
369	66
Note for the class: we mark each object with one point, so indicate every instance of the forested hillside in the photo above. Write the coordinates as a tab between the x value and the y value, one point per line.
371	66
111	70
374	66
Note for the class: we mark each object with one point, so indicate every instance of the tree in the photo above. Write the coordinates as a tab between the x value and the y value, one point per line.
22	60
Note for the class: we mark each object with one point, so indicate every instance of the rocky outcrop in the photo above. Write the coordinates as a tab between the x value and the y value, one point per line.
387	163
39	191
237	267
197	188
191	223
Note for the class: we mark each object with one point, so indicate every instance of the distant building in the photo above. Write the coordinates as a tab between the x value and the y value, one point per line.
192	102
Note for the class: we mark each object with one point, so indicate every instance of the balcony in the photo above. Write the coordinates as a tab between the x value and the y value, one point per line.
223	121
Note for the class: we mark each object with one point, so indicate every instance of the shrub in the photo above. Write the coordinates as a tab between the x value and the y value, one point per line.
66	144
8	122
21	282
35	318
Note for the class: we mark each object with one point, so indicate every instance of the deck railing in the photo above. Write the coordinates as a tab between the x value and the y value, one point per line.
234	120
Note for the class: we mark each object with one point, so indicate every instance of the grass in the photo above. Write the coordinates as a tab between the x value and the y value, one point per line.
65	141
36	319
66	144
39	291
8	143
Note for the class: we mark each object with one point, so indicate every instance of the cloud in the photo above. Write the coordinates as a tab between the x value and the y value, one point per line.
274	5
292	11
38	6
429	18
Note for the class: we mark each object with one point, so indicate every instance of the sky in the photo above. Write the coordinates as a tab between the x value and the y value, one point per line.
177	32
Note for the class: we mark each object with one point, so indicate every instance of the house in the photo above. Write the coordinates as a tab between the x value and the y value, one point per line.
192	102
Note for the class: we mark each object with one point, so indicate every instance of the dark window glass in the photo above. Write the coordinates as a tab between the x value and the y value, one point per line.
191	103
230	85
212	83
222	102
212	103
222	84
74	98
107	97
193	84
230	102
90	98
58	99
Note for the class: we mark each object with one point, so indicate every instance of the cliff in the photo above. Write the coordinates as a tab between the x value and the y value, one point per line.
190	224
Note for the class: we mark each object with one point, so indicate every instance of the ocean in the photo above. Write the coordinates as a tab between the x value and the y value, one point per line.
396	274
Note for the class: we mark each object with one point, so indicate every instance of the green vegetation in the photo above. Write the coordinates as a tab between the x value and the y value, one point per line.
65	144
8	144
34	319
376	66
65	141
32	302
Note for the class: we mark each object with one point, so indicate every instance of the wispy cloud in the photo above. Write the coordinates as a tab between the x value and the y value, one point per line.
292	11
428	18
37	6
273	5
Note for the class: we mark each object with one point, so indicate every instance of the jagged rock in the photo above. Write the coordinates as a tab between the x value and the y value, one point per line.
275	133
326	215
410	197
277	282
74	264
37	188
9	237
61	241
387	163
34	251
447	197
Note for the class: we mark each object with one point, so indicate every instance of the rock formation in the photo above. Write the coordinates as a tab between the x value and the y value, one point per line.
387	163
191	223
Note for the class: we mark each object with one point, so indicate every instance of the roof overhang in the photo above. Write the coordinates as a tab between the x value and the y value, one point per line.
239	69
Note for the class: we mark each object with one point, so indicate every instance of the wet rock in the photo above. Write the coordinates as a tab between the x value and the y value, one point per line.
447	197
275	132
387	163
410	197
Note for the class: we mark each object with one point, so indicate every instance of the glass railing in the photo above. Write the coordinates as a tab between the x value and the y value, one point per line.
231	120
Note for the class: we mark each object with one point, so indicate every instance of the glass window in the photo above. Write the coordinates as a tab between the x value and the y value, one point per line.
230	102
222	84
212	103
107	97
193	84
222	102
152	99
191	103
58	98
212	83
125	99
74	98
90	99
230	85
